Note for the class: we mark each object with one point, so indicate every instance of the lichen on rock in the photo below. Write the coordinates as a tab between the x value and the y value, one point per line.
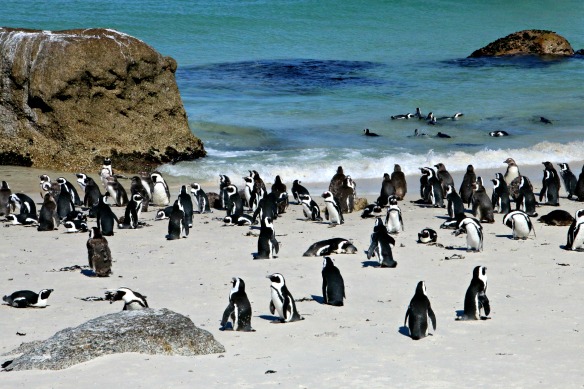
70	98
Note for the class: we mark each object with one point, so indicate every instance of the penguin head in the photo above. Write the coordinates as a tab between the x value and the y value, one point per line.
95	233
160	215
340	170
237	285
231	190
296	182
392	200
396	168
15	200
450	189
328	262
579	214
305	198
327	196
563	166
42	177
61	180
480	272
440	167
44	294
223	179
510	162
228	220
107	162
421	288
248	181
137	198
277	279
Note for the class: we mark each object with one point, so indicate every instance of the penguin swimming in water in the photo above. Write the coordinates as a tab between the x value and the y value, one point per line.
201	203
520	223
297	190
28	298
474	233
48	218
177	225
267	243
366	132
393	219
380	245
467	183
238	309
569	178
330	246
427	235
333	210
475	298
418	312
402	116
310	208
282	300
498	134
398	180
99	254
575	240
132	300
333	286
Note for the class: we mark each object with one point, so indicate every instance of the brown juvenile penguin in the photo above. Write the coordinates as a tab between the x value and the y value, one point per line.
444	177
48	218
482	207
98	253
337	182
398	180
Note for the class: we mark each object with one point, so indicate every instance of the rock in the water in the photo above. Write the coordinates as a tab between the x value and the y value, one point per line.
70	98
533	42
148	331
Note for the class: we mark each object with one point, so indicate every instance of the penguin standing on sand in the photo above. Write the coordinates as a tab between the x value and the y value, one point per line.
387	189
569	178
418	312
550	191
201	201
526	198
186	204
132	214
224	182
444	177
48	217
267	243
432	189
520	223
71	189
333	210
576	232
310	208
475	298
333	286
347	195
106	218
393	219
28	298
279	190
5	193
238	309
177	225
467	183
160	191
297	190
234	201
482	207
137	187
248	191
337	182
132	300
398	180
98	253
500	197
474	233
512	171
64	203
116	191
92	191
380	245
282	300
454	205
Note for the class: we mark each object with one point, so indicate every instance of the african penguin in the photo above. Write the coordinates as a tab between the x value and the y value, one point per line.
106	218
28	298
248	190
557	217
224	182
71	189
186	203
137	187
512	171
418	312
48	218
330	246
160	191
116	191
337	182
454	205
569	178
387	189
333	286
65	203
238	309
550	189
234	202
444	177
282	300
475	298
268	246
98	253
579	191
23	219
380	245
467	184
5	193
575	240
427	235
310	208
474	233
520	223
25	204
132	213
132	300
500	197
297	190
74	226
163	213
279	189
240	220
498	134
177	225
526	198
482	207
347	195
370	210
92	192
201	201
398	180
333	210
393	219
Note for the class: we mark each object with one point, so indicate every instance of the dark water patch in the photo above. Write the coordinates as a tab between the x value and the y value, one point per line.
465	145
287	76
511	61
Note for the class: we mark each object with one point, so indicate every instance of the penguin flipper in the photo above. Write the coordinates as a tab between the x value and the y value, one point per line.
484	301
275	244
19	302
324	294
287	309
406	318
272	307
228	311
432	317
371	250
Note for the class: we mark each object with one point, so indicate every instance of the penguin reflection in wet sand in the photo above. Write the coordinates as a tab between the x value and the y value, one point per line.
380	245
267	243
418	312
177	225
576	232
133	301
476	297
238	309
333	286
28	298
333	210
98	253
282	300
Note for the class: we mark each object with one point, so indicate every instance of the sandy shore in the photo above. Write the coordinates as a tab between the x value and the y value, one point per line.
534	339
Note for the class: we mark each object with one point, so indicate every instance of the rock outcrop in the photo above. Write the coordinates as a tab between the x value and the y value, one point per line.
527	42
70	98
147	331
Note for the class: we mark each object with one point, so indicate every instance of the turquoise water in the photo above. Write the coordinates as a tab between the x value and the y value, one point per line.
287	87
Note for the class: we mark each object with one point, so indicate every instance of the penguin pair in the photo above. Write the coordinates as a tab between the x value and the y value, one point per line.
475	298
28	298
474	233
520	223
133	300
98	253
576	232
431	188
333	211
268	246
380	245
347	195
238	309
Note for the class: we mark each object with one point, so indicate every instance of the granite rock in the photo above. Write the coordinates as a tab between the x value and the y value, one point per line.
527	42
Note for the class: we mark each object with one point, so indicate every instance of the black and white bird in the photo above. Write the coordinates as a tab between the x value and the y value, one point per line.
99	254
475	298
268	246
520	223
132	300
380	245
282	300
576	232
418	312
333	286
310	208
333	211
28	298
238	309
393	219
474	233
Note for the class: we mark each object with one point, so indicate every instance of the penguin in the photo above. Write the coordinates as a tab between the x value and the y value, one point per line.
545	120
330	246
267	206
137	187
163	213
48	218
98	253
28	298
177	225
248	191
387	189
23	219
92	191
106	218
500	197
49	186
74	226
557	217
106	167
520	223
456	116
65	203
482	208
224	182
380	245
132	214
418	312
240	220
333	286
549	190
427	235
402	116
512	171
444	177
366	132
347	195
337	182
5	193
297	190
569	178
81	180
431	188
132	300
575	241
443	135
268	246
498	134
579	191
418	134
467	184
238	309
526	198
393	219
187	205
201	201
279	189
474	233
25	204
258	184
234	203
116	191
282	300
398	180
454	205
550	167
370	210
333	210
310	208
72	191
160	191
475	298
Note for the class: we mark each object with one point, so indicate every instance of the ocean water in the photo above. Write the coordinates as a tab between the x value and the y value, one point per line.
287	87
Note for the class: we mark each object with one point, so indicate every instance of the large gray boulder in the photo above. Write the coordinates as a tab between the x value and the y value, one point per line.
70	98
148	331
527	42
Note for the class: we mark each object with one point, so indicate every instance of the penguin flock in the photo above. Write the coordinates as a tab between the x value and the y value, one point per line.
468	212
